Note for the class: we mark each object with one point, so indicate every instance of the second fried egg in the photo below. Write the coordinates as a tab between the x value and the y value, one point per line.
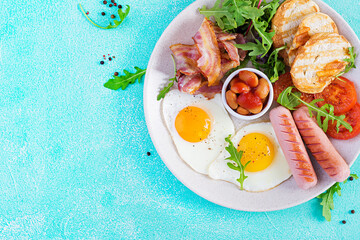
267	166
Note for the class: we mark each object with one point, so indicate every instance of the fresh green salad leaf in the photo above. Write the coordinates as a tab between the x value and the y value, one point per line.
122	15
269	10
236	165
274	65
254	49
123	81
235	15
351	61
291	100
229	14
328	198
170	84
261	28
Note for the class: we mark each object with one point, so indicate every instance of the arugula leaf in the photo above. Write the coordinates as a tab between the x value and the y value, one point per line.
122	16
328	198
254	49
124	80
351	61
169	86
288	99
291	100
236	165
352	175
269	10
266	37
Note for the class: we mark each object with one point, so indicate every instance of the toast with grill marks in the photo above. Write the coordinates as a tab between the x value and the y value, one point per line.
287	20
319	61
312	24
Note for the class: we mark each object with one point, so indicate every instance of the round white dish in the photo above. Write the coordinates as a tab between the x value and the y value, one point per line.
160	69
243	117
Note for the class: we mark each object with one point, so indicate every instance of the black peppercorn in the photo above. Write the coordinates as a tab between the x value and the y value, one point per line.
103	13
110	58
119	6
110	5
351	178
148	153
104	2
102	62
343	221
352	211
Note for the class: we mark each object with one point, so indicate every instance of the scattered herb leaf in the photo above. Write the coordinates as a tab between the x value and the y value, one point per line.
122	16
352	175
123	81
291	100
351	61
169	86
236	157
328	198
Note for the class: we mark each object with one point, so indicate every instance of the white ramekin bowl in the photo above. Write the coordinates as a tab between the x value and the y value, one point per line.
247	117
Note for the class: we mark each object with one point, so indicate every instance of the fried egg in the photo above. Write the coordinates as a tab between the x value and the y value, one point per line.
198	127
267	166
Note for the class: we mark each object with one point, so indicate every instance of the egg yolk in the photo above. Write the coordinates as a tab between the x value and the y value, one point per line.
258	149
193	124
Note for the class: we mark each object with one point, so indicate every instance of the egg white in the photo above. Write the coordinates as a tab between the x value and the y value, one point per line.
198	155
277	172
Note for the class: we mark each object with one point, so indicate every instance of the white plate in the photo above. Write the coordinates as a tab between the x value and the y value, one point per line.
160	69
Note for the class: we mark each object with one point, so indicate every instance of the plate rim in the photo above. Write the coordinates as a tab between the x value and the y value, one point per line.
339	19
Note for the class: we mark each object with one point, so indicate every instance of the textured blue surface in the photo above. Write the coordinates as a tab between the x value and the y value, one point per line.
73	162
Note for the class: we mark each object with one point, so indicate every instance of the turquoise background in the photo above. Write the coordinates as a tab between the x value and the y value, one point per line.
73	162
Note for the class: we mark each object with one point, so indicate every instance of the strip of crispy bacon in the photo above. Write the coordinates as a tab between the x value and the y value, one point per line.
186	57
190	83
232	51
210	61
221	35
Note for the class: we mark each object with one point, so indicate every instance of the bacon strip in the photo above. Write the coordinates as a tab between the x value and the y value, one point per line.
200	67
221	35
186	57
210	61
190	83
232	51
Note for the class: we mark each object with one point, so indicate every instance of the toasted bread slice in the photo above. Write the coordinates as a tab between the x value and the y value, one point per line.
287	20
312	24
319	61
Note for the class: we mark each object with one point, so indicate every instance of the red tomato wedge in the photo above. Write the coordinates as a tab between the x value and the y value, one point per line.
340	93
284	82
353	118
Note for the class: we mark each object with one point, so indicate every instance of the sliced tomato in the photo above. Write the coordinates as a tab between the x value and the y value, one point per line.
353	118
284	82
340	93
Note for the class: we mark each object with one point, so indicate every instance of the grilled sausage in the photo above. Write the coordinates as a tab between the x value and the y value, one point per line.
320	146
293	147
